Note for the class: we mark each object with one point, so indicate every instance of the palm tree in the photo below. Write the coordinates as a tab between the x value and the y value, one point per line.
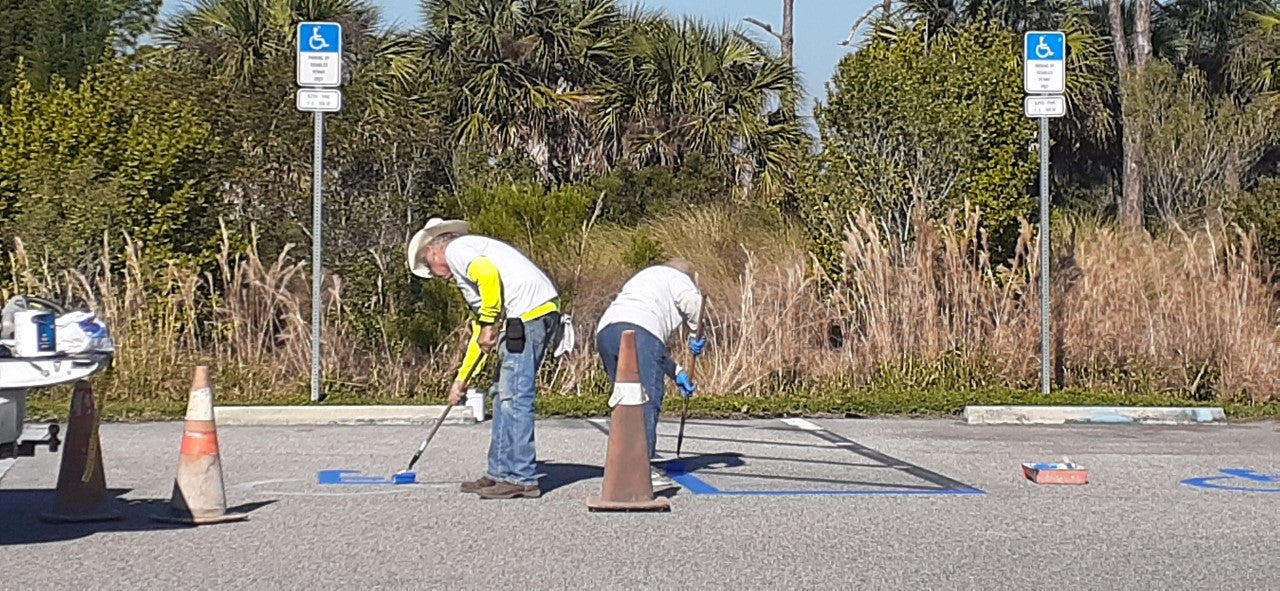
383	143
239	38
1254	58
687	87
580	86
523	72
1204	33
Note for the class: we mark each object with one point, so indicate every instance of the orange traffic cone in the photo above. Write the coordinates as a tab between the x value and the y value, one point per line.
199	496
627	482
82	487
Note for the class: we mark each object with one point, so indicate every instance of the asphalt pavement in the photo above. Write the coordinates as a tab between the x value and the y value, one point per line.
765	504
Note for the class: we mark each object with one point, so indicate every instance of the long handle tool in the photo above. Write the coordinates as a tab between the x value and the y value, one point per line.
684	411
406	476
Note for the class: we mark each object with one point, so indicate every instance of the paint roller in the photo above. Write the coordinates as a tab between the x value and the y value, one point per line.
408	476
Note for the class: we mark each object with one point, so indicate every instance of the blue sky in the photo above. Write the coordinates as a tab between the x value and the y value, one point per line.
820	25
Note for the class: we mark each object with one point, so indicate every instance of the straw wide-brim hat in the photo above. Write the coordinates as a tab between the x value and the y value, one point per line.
416	251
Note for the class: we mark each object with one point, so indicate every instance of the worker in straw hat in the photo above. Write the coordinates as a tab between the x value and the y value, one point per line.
654	303
515	312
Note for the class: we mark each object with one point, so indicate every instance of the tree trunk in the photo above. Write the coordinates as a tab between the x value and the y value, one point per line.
1116	12
788	38
1131	189
1141	35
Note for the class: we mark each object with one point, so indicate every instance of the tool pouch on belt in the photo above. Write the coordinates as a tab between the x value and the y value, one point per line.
515	335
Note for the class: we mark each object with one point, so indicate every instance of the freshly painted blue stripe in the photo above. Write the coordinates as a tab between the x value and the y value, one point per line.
1206	483
348	477
695	485
905	491
1250	474
1232	473
676	470
698	486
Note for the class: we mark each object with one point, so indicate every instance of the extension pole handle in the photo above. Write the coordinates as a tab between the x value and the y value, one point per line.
693	363
430	436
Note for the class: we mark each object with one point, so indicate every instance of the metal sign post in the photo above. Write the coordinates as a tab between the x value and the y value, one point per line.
319	73
1044	77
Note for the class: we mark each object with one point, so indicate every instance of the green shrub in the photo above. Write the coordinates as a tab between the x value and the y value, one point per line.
1259	211
539	221
630	194
387	306
111	156
643	252
911	127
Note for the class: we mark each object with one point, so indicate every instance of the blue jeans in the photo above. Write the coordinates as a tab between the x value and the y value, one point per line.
512	455
655	365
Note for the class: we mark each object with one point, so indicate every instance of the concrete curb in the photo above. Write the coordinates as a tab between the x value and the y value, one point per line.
1123	415
340	415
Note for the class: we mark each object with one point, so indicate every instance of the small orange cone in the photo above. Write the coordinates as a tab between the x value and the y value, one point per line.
82	487
627	482
199	496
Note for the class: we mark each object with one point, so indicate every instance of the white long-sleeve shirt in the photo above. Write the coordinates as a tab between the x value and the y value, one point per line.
657	299
496	280
512	284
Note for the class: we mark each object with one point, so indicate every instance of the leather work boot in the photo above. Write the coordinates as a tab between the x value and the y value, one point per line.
506	490
476	485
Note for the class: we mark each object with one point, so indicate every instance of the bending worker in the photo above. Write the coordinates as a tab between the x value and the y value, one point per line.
653	303
516	310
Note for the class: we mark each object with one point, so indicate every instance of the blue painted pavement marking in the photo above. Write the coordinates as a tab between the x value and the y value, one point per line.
698	486
678	472
905	491
1250	475
1241	477
347	477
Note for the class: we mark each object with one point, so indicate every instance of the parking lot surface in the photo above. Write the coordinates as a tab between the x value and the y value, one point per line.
762	504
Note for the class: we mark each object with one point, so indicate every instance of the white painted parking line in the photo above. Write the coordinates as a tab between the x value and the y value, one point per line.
256	487
802	424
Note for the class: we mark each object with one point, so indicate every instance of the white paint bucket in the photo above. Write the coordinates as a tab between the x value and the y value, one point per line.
475	400
35	333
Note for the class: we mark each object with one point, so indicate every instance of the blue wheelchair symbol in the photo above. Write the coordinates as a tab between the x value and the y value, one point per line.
319	38
1045	46
1253	481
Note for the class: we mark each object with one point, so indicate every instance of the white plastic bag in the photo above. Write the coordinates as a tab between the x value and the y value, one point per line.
567	336
83	332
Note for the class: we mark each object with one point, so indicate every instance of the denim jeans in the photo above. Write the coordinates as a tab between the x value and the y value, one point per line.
655	365
512	454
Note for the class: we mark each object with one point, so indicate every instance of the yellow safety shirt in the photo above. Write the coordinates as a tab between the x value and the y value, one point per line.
497	281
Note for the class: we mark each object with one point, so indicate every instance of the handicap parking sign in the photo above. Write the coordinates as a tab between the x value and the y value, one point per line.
319	54
1045	62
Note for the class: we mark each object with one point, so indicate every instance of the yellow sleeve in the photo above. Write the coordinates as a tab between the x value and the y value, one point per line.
475	357
484	273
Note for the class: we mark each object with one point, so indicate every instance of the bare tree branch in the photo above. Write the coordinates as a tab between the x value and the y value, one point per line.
858	23
768	29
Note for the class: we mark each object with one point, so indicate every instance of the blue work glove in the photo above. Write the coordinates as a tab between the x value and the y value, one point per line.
696	344
686	385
